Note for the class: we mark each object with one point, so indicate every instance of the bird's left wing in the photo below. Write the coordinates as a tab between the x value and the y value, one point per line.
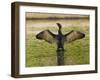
46	35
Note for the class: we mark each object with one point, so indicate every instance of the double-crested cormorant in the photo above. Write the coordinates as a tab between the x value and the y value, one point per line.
59	38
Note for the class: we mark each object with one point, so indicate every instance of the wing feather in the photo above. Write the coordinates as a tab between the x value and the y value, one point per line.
73	35
46	35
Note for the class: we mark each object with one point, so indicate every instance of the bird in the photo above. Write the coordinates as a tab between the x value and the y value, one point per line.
60	39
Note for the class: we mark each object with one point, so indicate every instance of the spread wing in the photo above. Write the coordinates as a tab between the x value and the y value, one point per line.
73	35
46	35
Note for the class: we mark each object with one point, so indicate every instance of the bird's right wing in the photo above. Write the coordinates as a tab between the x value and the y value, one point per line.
46	35
73	35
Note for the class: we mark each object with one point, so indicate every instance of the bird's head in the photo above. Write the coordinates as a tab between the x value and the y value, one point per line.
59	25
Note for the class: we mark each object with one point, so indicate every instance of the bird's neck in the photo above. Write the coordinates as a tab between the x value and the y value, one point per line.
59	31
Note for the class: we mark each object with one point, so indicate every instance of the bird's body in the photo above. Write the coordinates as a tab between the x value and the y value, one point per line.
60	39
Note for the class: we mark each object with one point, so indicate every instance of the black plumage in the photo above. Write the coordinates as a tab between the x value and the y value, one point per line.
60	38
